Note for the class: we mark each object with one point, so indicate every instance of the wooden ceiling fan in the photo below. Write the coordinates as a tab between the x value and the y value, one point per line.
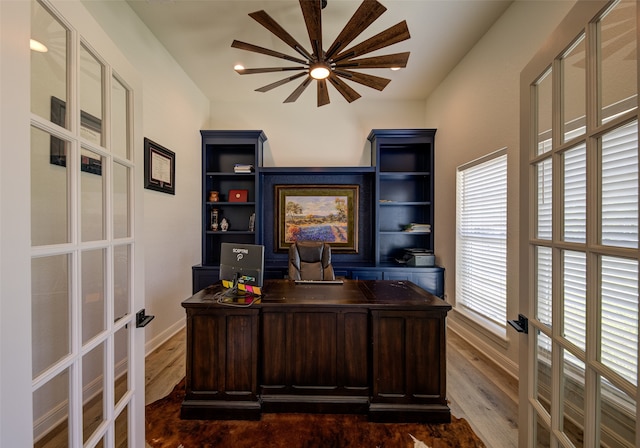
338	61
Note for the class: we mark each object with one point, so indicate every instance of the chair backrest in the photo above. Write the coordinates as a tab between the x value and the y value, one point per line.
310	260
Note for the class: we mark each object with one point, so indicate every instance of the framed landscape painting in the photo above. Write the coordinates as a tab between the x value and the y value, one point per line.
326	213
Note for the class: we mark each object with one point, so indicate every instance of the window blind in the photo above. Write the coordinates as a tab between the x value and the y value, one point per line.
619	227
618	280
481	239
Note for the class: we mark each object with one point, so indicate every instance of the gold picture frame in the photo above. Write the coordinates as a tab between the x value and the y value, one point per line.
326	213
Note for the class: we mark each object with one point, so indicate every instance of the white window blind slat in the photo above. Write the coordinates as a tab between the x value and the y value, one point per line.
481	238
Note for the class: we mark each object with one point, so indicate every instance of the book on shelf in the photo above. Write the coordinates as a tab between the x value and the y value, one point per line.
243	168
417	227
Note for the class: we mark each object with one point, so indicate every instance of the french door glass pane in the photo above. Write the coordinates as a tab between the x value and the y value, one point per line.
543	98
122	428
121	362
573	399
93	388
619	178
617	417
575	194
543	285
619	321
50	311
91	81
543	435
93	294
543	229
49	62
51	412
573	90
574	293
618	60
49	191
543	371
121	195
92	190
120	119
121	281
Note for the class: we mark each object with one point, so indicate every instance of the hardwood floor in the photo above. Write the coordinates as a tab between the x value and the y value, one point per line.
477	390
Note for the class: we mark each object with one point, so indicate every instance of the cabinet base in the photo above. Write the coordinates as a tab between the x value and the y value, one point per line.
314	404
220	410
376	412
409	413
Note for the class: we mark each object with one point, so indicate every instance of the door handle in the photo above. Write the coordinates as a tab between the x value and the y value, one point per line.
521	325
142	319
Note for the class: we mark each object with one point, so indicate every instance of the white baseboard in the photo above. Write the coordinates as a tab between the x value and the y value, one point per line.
500	360
152	344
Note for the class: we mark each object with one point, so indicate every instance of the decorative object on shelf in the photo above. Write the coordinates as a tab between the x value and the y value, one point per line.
318	213
224	225
159	168
243	168
417	257
214	196
252	222
238	195
214	219
338	61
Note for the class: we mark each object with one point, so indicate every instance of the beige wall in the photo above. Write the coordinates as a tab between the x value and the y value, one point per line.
301	134
476	111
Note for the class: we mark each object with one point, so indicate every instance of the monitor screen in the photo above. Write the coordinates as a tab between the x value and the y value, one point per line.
242	264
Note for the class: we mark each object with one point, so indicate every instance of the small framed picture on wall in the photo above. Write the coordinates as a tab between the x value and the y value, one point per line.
159	168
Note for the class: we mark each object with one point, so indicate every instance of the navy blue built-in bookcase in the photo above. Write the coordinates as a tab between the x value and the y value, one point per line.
393	193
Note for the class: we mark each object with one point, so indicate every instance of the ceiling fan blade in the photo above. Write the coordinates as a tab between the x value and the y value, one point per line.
364	16
386	61
345	90
296	93
266	21
279	83
390	36
323	93
253	71
375	82
311	10
256	49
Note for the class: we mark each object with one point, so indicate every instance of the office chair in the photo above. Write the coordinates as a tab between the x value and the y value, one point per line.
310	260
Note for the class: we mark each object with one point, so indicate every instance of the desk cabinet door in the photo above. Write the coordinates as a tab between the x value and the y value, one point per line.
319	350
224	358
408	357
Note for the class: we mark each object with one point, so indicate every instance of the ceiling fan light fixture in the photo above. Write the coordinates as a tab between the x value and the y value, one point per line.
238	67
319	70
339	60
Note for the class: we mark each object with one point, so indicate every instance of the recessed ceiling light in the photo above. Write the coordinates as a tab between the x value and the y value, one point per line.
395	68
37	46
238	67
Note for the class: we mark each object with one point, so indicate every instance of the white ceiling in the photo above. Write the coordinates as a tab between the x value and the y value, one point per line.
198	34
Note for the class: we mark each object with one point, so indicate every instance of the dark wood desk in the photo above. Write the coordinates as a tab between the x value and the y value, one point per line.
367	346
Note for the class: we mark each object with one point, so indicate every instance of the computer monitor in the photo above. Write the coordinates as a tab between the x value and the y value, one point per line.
242	267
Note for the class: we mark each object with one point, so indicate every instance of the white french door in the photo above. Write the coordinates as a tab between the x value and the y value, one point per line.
580	258
87	356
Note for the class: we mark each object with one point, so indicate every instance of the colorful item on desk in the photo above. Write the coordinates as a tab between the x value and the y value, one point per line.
242	287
